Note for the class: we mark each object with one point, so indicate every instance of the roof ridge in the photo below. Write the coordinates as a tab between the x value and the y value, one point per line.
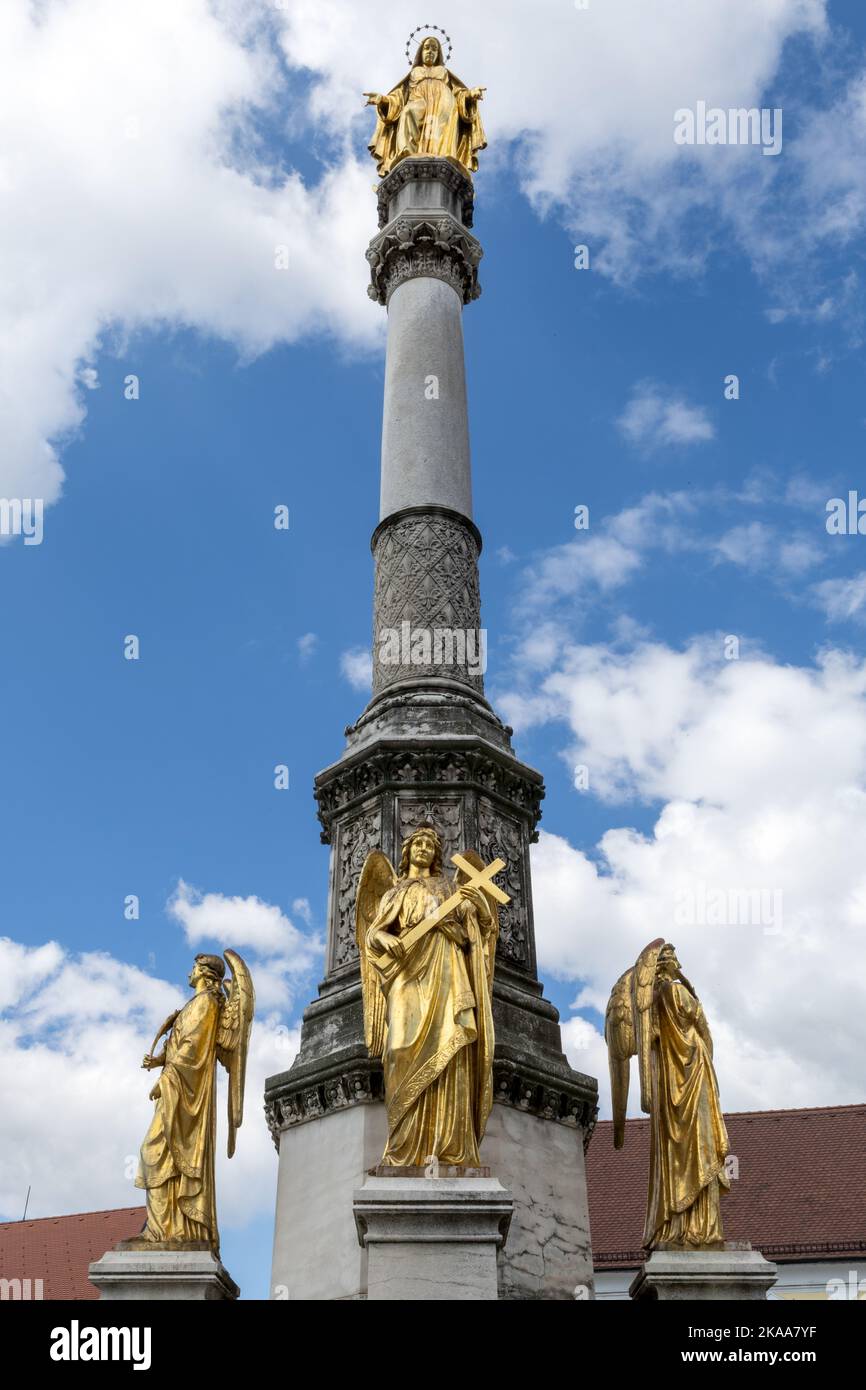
791	1110
72	1215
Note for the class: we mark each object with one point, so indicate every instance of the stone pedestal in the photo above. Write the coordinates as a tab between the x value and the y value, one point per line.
736	1272
158	1275
432	1238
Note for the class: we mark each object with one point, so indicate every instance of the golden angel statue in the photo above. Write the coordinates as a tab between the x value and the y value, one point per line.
427	946
654	1013
430	112
176	1166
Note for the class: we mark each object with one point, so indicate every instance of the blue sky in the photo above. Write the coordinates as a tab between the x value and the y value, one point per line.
602	387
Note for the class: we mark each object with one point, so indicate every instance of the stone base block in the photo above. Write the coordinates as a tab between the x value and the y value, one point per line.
735	1272
432	1238
157	1275
322	1162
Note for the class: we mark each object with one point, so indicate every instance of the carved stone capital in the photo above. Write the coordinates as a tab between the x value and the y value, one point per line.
420	244
359	1085
392	767
566	1097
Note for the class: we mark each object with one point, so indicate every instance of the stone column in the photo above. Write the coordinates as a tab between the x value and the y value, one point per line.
428	746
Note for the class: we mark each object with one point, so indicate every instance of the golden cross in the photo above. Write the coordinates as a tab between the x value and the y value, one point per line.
477	878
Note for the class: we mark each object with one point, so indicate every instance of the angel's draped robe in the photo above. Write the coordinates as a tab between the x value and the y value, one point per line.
177	1157
438	1053
688	1138
429	113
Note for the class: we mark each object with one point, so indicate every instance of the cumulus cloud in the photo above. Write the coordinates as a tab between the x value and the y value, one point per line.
356	665
307	647
137	195
842	599
286	955
756	776
176	211
615	550
655	417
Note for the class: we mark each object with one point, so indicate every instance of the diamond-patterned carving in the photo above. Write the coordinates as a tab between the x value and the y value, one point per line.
427	576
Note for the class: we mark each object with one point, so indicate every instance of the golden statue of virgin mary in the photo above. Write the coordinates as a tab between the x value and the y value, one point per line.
431	112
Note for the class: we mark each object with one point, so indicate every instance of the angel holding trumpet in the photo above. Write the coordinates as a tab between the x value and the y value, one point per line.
176	1165
427	946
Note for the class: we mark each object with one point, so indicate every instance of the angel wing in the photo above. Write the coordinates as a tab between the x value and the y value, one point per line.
377	876
643	982
619	1034
490	944
628	1033
233	1038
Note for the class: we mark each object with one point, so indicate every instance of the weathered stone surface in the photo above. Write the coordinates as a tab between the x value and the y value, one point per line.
432	1238
683	1275
161	1275
316	1250
549	1254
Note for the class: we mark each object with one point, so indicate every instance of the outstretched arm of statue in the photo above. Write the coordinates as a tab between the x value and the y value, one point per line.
388	107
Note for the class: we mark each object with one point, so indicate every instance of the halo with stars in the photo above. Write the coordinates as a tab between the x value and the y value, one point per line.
424	29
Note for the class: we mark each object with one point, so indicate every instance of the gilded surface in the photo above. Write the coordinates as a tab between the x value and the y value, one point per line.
430	112
427	1005
176	1166
654	1014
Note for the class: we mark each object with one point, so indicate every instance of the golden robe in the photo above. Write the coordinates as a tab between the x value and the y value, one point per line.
688	1138
438	1054
428	113
177	1156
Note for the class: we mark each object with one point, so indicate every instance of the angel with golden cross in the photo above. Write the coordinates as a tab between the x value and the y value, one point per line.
427	946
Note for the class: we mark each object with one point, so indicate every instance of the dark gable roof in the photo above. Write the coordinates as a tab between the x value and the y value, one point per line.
58	1249
800	1194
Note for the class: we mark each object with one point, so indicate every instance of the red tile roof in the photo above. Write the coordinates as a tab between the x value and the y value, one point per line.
58	1249
800	1194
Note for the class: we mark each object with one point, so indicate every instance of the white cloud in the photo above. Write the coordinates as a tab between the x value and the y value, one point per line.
356	665
75	1106
842	599
136	196
286	954
758	771
655	418
172	208
556	79
303	909
307	647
